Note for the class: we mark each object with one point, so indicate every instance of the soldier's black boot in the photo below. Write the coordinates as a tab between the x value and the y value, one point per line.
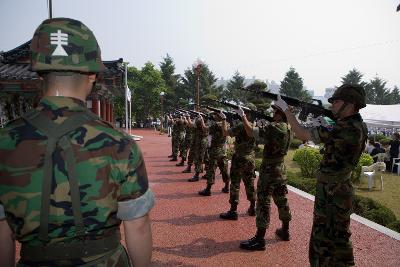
231	214
170	156
252	210
225	189
195	178
283	233
182	163
174	159
188	169
255	243
206	192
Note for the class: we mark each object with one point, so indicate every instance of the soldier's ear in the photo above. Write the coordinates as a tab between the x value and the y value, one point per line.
92	77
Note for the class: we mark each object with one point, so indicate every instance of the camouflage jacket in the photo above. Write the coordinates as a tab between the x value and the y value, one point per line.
217	136
111	172
276	137
189	132
244	145
344	143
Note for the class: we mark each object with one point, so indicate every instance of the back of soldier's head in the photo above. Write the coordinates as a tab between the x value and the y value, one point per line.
67	49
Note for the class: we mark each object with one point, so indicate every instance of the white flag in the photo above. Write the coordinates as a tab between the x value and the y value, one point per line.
128	94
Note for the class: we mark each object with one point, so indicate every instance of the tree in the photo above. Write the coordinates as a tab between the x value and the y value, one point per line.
292	85
394	96
376	92
232	93
147	84
207	84
171	79
354	77
261	103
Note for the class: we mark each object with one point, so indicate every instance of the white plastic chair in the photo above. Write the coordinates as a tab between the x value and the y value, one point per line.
371	172
396	162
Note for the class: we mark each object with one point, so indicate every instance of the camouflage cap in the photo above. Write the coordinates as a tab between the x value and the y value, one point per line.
350	93
64	44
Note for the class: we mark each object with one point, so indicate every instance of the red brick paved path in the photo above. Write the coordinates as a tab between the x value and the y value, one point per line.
187	230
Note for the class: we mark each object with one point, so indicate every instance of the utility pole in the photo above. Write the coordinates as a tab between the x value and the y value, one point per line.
50	9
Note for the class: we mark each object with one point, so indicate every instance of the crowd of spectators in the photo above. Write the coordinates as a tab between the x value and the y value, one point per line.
390	151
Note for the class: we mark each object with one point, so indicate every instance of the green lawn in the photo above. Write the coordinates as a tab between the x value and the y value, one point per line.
390	196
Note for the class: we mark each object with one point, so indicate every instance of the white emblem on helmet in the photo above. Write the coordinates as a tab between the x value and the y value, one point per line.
58	38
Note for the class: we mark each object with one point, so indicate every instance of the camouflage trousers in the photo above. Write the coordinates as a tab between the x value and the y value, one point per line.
177	140
330	243
200	148
185	147
217	157
272	182
242	168
192	153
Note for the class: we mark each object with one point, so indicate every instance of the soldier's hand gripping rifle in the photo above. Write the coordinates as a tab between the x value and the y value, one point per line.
306	108
255	114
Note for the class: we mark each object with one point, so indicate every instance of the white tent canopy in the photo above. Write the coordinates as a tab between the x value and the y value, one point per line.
381	116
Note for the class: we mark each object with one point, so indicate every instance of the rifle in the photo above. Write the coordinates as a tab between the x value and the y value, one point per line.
306	108
255	114
195	113
230	116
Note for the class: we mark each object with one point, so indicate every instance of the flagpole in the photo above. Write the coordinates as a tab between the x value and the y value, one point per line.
126	96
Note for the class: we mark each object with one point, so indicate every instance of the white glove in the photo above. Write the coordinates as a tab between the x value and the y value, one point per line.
222	115
240	112
281	104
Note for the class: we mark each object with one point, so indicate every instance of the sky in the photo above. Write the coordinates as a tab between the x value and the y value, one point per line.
323	40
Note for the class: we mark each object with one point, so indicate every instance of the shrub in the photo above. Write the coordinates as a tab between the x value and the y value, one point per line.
373	211
377	137
258	151
258	163
295	143
365	160
395	226
385	141
308	160
229	152
305	184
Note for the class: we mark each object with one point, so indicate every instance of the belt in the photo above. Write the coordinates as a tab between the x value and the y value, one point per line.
333	178
68	251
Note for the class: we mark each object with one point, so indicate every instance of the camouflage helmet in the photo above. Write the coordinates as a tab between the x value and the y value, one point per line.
350	93
64	44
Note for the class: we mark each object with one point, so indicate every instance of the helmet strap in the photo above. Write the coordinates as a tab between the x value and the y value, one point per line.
341	109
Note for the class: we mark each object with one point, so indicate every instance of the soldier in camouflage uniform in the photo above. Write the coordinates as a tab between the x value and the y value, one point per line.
187	141
172	126
199	146
276	138
344	142
242	168
192	147
176	137
68	178
217	154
